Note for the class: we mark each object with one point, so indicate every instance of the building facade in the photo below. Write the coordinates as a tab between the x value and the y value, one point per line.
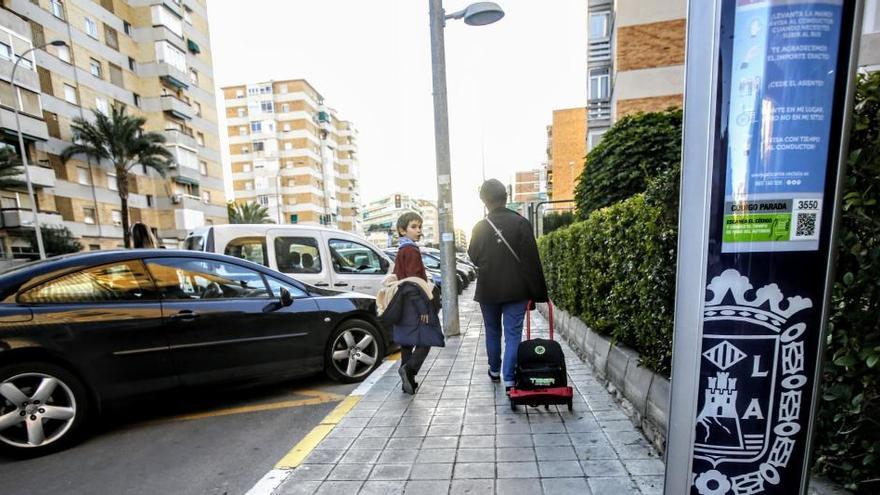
566	150
380	219
530	186
430	222
292	154
149	55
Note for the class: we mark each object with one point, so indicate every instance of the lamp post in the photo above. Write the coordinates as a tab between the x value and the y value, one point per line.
24	162
476	14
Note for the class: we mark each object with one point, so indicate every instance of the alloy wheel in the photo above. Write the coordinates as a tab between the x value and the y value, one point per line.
354	352
36	409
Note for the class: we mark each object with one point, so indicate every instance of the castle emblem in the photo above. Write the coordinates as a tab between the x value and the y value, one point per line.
752	378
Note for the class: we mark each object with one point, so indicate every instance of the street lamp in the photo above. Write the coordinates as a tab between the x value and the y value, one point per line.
476	14
27	173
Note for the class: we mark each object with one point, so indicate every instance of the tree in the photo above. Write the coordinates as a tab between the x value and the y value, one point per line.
634	150
10	168
56	240
120	139
247	213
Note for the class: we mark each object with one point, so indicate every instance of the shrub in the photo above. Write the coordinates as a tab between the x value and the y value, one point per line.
634	150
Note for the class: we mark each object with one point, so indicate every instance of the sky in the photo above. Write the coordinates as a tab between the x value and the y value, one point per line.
371	61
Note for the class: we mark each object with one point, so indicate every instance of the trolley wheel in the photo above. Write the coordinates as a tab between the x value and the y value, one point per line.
570	405
546	407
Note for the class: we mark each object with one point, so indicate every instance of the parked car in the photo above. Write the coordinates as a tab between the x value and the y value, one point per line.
432	265
466	268
81	331
318	256
433	273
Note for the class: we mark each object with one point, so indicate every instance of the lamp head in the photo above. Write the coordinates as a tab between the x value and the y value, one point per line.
482	13
58	43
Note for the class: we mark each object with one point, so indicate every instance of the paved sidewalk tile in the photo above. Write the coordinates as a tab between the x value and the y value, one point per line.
459	435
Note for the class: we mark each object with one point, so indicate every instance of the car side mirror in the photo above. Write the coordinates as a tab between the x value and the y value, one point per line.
286	298
384	264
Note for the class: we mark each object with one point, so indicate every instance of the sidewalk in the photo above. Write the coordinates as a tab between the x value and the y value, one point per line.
458	434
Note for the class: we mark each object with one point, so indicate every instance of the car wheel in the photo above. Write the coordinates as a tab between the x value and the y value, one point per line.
43	408
355	349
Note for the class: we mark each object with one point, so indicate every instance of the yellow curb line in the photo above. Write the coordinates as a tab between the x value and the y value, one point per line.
316	397
305	446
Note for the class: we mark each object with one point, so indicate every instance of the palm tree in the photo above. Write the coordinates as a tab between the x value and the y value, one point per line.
247	213
10	168
119	139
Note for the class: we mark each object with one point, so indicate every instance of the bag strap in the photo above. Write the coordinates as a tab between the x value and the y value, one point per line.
498	233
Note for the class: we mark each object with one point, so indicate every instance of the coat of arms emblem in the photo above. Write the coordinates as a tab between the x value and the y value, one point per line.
752	377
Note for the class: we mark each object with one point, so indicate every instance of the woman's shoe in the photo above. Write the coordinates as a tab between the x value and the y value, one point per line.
406	380
494	378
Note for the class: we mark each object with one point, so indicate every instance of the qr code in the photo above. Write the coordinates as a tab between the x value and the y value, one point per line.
806	225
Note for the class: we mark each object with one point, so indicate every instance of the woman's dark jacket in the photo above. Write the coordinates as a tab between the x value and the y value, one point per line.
404	311
502	278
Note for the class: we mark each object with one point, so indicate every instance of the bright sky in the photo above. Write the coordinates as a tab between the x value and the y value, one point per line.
371	61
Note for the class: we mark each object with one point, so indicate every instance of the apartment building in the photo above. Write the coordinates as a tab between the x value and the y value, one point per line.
566	149
380	218
152	56
293	154
529	186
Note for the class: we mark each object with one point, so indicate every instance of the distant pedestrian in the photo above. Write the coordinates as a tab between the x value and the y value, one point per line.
407	290
504	249
141	237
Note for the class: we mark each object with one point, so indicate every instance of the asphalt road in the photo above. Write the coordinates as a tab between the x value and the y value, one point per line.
215	442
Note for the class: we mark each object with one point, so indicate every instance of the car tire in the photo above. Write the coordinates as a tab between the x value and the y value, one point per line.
44	421
353	351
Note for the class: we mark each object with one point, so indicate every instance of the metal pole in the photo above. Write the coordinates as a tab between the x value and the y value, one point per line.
444	177
24	162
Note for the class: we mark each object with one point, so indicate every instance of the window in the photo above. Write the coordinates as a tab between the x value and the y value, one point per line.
594	138
286	127
291	183
599	25
150	200
186	157
94	247
187	15
171	55
200	138
259	146
89	215
297	255
276	285
203	167
256	126
163	16
57	8
70	94
116	75
353	257
239	93
64	53
198	108
288	145
241	112
112	183
137	99
194	278
91	27
131	64
242	131
125	281
248	186
194	76
282	88
116	216
261	182
95	68
101	105
267	106
126	27
206	196
263	199
83	176
111	39
5	51
285	107
248	248
599	84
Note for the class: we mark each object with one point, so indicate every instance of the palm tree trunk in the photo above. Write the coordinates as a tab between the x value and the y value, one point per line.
122	183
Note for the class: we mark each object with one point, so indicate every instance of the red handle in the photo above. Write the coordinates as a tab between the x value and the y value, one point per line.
529	319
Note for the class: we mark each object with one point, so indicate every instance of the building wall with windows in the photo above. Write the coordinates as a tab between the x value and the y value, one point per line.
293	154
379	217
151	56
529	185
566	149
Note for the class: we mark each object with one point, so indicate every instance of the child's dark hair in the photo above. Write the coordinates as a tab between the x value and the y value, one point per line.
404	220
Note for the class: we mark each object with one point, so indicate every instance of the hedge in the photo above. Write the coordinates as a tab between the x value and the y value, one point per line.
615	270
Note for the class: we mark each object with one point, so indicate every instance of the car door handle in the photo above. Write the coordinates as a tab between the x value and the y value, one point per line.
185	315
322	284
340	285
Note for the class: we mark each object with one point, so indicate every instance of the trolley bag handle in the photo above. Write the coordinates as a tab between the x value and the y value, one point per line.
529	319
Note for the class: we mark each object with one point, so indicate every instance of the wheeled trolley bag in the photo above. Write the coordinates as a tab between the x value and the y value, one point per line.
540	377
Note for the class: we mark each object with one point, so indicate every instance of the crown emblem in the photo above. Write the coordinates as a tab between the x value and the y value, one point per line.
765	308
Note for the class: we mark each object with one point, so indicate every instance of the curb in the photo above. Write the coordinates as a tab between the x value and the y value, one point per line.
285	466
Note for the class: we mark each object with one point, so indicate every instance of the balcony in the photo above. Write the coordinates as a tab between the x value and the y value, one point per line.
176	107
40	176
172	75
24	218
599	50
176	137
599	110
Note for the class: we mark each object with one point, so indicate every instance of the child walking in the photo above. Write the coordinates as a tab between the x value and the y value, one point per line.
418	328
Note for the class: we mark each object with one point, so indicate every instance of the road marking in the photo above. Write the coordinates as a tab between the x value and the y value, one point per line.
315	397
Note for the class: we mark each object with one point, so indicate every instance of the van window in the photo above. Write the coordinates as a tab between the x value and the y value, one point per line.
353	257
297	255
248	248
194	243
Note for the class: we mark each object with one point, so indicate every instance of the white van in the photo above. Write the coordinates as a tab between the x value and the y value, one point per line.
318	256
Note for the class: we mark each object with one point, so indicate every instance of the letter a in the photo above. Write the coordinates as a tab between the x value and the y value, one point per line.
756	368
754	410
